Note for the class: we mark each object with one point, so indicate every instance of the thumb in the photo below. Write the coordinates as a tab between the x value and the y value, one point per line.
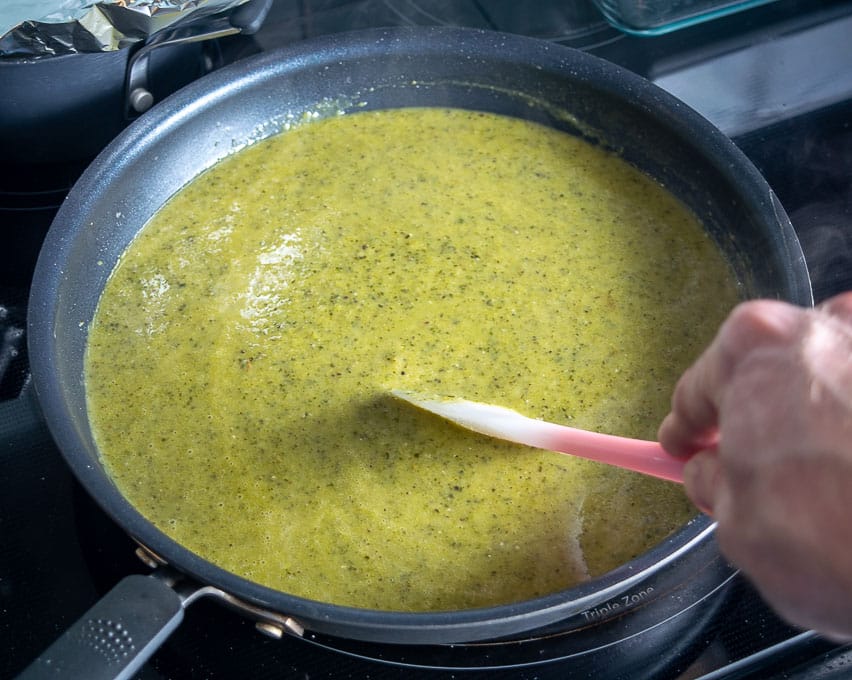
701	480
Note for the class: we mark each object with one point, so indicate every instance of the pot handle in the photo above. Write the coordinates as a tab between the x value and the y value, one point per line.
116	636
246	20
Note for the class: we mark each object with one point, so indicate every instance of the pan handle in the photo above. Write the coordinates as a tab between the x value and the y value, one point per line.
116	636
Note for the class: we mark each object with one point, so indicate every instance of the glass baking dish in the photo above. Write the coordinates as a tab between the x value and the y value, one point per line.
655	17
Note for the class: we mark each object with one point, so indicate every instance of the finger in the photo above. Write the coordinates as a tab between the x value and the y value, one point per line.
839	306
682	433
691	425
759	323
701	480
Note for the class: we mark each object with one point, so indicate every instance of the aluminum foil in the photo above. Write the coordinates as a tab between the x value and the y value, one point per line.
49	28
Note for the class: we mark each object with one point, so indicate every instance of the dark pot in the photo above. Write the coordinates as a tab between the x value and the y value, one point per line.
67	108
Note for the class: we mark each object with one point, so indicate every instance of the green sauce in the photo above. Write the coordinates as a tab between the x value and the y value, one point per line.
240	356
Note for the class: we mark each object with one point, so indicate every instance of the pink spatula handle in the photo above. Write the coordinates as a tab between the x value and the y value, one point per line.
638	455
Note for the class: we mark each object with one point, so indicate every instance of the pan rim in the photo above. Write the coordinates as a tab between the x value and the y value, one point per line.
463	44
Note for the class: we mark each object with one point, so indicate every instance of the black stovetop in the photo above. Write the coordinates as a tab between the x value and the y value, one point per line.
777	79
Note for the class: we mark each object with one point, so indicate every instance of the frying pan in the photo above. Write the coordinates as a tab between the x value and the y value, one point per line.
211	118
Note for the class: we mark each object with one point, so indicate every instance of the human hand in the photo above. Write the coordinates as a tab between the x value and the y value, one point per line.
767	413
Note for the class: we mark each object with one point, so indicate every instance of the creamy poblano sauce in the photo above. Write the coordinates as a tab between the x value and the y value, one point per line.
240	357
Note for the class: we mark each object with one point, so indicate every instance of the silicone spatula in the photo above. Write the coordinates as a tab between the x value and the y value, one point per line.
639	455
